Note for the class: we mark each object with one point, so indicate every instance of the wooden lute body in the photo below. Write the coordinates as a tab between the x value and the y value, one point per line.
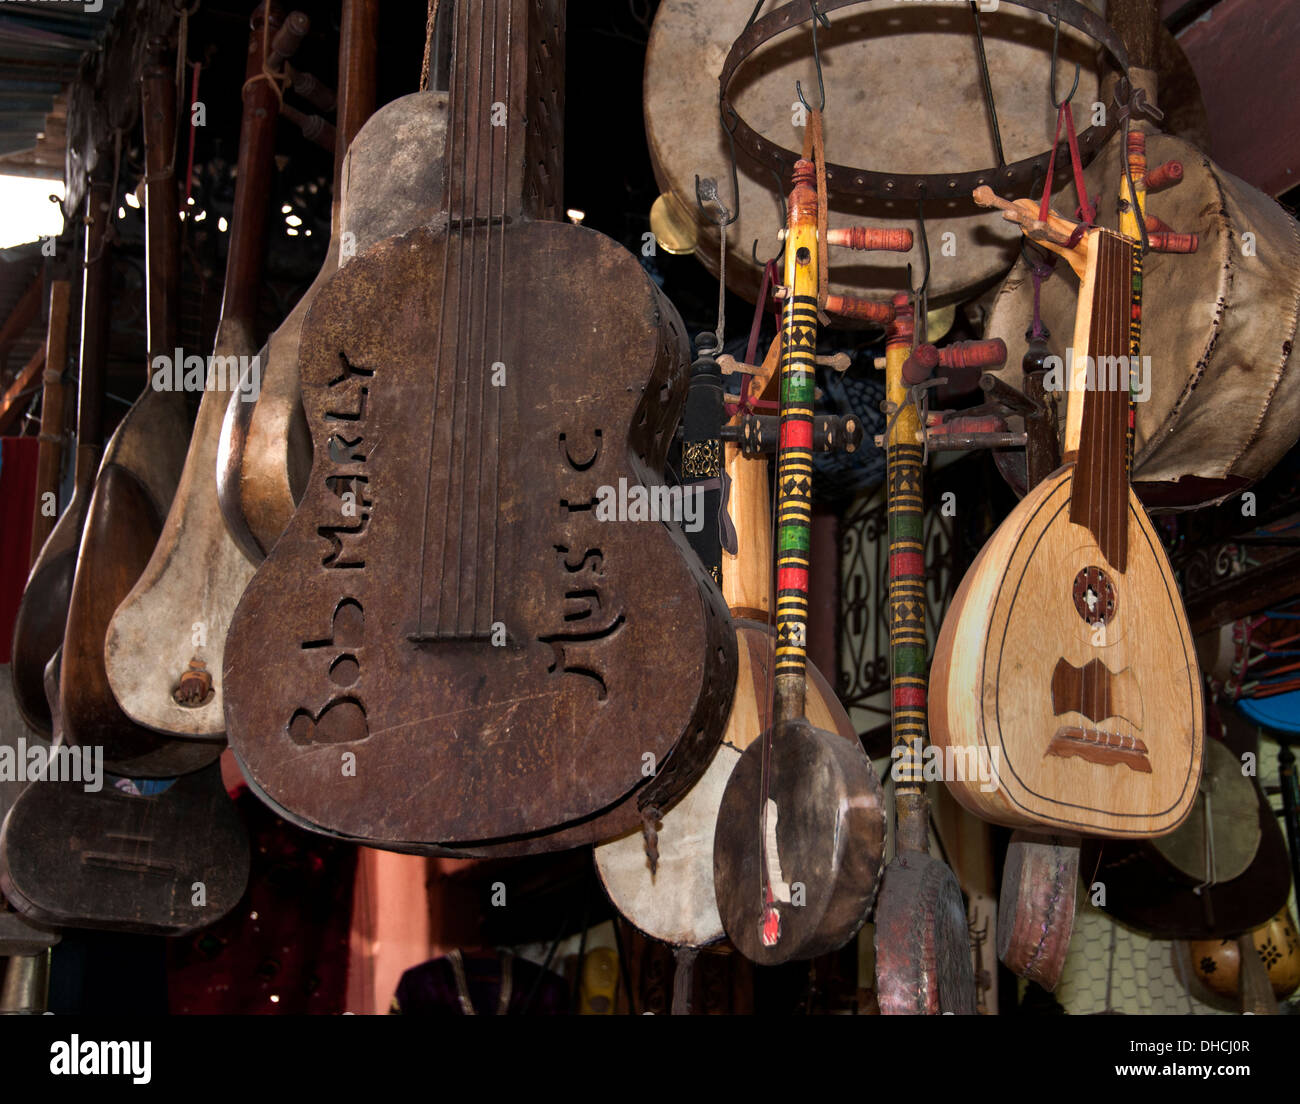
1065	663
451	646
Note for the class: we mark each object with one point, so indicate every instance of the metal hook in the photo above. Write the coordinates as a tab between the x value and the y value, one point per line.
817	17
1055	21
707	191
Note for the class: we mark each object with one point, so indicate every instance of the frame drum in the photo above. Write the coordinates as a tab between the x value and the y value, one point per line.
903	94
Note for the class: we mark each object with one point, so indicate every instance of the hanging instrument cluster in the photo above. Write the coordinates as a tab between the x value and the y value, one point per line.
482	563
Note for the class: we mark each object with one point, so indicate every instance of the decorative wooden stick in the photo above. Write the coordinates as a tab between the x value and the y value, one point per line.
794	456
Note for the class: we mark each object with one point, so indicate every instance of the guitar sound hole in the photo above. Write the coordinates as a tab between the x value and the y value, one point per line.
1094	596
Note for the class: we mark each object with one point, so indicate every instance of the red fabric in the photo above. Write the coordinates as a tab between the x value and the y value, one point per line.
17	502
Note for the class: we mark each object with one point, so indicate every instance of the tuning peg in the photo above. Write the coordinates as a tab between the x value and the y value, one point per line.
1164	176
867	238
1168	242
920	365
991	353
860	310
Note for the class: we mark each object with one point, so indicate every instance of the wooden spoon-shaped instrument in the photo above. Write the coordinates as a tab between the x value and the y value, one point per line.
43	611
923	957
134	488
801	829
165	644
264	449
676	902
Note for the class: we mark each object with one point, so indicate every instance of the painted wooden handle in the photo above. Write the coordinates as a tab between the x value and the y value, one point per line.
794	455
907	648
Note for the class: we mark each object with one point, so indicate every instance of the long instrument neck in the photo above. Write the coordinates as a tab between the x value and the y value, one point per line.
794	454
907	639
505	158
1105	353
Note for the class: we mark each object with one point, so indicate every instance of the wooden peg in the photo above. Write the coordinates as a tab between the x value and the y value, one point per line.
866	238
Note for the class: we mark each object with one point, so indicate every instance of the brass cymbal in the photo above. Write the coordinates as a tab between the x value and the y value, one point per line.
674	229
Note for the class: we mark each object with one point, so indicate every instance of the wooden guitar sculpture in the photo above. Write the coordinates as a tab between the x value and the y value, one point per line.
800	833
264	450
162	858
165	643
923	954
675	903
457	642
1065	663
43	611
134	487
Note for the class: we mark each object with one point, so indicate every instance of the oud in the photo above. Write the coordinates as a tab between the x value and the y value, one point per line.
446	648
1066	658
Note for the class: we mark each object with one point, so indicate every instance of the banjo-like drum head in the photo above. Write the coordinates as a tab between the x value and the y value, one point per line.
903	94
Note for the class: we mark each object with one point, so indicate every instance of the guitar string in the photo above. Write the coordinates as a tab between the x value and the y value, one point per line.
465	287
480	438
454	98
497	391
769	705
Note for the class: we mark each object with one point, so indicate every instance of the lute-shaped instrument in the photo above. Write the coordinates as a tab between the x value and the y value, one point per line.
43	611
134	487
470	635
800	833
164	646
1065	664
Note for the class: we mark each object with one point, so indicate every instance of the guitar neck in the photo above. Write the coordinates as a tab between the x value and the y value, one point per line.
505	141
1103	359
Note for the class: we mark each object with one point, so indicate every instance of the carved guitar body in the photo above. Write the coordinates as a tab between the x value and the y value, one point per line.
449	645
1089	730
